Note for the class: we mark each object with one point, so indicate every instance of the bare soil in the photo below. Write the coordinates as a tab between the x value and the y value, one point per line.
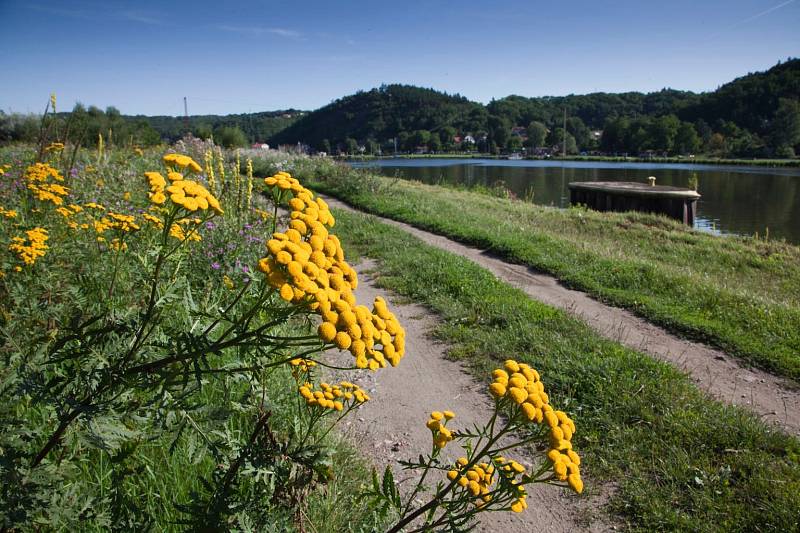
391	426
774	399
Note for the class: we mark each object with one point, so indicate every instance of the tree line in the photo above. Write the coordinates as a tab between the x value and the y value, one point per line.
757	115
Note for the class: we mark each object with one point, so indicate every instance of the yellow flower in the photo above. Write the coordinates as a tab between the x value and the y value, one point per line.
327	331
439	431
332	397
32	248
41	179
309	259
183	162
8	213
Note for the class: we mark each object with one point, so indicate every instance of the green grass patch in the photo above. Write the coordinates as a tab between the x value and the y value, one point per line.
740	294
677	460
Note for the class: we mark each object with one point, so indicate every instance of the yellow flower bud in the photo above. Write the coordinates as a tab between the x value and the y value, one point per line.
326	331
497	390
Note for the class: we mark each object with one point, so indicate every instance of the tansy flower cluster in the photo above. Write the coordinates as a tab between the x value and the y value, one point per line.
116	221
300	365
566	463
477	480
68	212
31	248
521	384
154	220
510	470
192	196
41	178
186	193
157	185
306	263
436	423
188	233
334	397
178	161
8	213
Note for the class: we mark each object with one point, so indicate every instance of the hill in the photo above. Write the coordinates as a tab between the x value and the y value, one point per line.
257	127
383	114
755	115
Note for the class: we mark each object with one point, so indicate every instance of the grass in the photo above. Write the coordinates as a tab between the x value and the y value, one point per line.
740	294
169	478
678	460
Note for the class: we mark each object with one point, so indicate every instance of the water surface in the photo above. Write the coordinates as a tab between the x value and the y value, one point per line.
735	199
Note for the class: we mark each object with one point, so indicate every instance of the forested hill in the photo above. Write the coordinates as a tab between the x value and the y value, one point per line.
257	127
750	101
593	109
384	113
755	115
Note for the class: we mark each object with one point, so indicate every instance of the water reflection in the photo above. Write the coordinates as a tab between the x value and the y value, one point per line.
741	200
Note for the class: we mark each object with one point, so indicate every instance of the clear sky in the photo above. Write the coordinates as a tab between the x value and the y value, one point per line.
232	57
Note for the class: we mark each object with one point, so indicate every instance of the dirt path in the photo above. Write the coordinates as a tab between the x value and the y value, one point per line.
772	398
391	425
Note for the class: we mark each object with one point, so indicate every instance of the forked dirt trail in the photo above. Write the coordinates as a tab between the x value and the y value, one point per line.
391	425
772	398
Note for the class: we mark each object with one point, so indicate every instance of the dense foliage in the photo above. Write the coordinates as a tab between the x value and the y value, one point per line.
229	130
753	116
255	127
410	113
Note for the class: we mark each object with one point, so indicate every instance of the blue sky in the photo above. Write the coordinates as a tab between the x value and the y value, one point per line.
232	57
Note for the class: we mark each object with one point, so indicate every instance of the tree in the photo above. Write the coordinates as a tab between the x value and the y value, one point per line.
662	132
556	138
325	146
447	136
514	143
499	130
785	127
615	133
203	131
351	146
703	130
403	140
435	143
686	139
583	137
230	137
716	144
372	146
420	138
537	133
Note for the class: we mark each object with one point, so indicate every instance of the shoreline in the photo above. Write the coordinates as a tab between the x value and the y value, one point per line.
769	163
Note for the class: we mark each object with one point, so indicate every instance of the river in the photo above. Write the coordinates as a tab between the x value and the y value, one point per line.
735	199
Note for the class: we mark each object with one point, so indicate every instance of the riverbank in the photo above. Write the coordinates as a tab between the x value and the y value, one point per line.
773	163
675	459
739	294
